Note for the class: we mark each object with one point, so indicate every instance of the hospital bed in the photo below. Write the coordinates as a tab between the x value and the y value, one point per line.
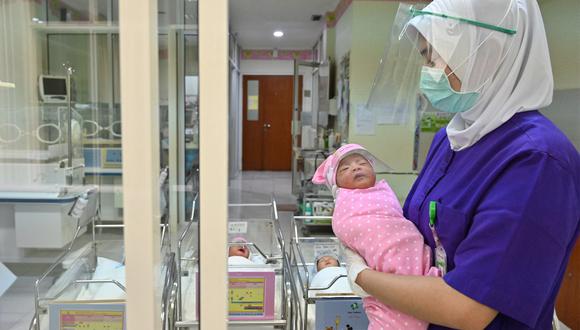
86	284
265	282
331	305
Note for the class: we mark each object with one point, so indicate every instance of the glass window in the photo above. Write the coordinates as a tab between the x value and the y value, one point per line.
253	103
61	146
79	10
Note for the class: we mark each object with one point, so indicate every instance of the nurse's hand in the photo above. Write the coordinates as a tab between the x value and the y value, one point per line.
355	265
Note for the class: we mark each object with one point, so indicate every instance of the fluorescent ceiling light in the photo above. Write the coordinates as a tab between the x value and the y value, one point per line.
278	34
7	84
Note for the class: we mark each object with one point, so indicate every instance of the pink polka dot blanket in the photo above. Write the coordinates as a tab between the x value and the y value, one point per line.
370	221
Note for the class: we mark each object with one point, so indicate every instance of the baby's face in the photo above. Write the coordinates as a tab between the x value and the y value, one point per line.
355	172
239	250
326	261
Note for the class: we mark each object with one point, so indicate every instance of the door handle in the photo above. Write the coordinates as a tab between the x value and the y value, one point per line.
267	125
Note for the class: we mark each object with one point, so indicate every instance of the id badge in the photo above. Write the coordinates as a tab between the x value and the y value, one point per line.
440	255
441	259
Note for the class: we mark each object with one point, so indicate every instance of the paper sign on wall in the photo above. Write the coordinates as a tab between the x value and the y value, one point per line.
364	121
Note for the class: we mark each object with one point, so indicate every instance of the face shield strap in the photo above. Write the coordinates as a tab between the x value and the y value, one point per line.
418	12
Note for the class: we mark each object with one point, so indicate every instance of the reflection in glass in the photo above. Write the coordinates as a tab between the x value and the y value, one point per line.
78	10
44	38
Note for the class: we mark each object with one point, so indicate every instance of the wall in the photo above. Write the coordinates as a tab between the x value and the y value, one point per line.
562	22
394	144
563	32
343	36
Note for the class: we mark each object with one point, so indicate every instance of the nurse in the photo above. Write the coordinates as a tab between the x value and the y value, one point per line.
498	199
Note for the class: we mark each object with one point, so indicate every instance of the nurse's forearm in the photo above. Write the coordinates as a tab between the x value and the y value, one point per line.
426	298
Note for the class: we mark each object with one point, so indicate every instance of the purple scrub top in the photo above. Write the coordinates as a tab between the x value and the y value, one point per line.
508	213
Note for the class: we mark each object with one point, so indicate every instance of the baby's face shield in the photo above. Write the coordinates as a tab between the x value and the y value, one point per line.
468	40
379	167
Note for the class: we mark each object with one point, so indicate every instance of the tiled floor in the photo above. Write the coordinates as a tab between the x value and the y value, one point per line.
259	186
17	303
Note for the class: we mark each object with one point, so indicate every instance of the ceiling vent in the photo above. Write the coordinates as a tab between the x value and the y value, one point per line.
316	18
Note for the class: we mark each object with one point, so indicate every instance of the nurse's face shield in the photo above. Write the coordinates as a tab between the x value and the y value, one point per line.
394	93
469	39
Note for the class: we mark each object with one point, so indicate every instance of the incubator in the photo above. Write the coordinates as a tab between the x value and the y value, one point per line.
41	175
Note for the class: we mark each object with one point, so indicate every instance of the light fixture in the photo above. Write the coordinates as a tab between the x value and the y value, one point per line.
278	34
6	84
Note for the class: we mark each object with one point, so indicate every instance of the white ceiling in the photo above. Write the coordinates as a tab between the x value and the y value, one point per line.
254	21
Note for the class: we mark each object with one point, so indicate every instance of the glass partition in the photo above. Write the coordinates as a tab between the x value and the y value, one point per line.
61	148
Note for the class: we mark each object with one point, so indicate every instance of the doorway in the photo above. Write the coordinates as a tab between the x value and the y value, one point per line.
267	134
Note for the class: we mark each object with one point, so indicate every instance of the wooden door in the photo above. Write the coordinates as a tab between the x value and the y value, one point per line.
267	135
568	302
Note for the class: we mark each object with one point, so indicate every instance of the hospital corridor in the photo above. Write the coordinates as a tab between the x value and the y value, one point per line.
295	165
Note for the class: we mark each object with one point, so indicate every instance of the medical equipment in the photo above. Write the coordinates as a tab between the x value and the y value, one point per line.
112	157
319	304
51	128
45	133
92	128
320	215
264	280
53	89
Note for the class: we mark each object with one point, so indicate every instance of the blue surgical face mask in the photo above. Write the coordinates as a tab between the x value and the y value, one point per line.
435	85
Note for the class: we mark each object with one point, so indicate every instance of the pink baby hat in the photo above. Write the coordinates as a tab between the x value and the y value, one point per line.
326	172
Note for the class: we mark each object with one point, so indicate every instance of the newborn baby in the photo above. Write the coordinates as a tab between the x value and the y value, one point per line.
369	220
240	254
327	270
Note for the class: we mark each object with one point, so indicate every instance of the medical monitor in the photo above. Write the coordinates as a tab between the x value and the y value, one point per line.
53	89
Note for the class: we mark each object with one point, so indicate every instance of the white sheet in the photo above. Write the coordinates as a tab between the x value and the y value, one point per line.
107	269
323	279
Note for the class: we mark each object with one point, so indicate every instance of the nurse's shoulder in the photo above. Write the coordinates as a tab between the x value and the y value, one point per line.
539	134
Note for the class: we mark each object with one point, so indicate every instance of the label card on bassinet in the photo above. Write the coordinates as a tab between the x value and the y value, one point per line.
321	249
81	315
237	227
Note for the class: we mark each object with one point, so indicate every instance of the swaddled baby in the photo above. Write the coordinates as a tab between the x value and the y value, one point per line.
369	220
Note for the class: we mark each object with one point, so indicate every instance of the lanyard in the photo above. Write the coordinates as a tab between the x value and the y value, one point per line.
440	255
